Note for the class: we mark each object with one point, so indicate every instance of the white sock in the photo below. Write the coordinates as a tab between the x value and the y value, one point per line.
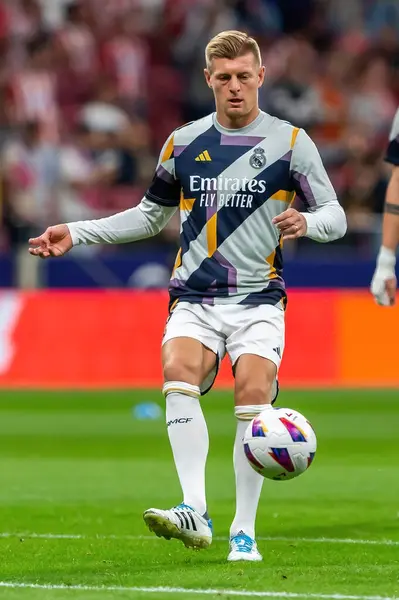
248	482
188	436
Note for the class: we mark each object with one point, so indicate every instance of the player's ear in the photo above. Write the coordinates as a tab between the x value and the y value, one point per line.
207	77
261	76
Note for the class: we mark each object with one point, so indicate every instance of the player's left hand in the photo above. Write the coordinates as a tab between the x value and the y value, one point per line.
384	282
383	289
291	223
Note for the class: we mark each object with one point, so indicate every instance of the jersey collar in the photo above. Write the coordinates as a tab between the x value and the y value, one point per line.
255	123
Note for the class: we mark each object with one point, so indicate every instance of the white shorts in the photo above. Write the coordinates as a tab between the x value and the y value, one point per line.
234	329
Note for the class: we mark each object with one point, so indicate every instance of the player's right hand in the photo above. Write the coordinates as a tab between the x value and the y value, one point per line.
55	241
383	284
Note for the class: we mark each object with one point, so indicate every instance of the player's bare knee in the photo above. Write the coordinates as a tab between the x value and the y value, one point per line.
182	360
254	379
253	393
189	371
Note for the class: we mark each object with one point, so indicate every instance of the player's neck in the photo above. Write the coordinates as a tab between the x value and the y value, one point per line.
239	122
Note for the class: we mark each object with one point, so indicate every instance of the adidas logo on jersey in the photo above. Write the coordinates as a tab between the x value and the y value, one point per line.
203	157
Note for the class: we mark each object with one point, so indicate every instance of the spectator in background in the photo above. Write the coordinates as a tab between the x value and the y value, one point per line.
5	67
24	23
125	61
331	88
77	50
25	19
53	13
259	16
294	96
112	10
30	172
365	190
372	101
32	90
130	135
103	111
330	133
362	186
104	165
380	16
343	16
84	164
30	175
204	19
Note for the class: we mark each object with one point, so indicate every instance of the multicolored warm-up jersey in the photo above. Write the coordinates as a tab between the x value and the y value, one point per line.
229	184
392	155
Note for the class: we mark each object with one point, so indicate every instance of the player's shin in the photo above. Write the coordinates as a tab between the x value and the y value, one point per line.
188	436
248	482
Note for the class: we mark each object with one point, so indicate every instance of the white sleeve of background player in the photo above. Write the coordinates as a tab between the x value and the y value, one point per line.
326	219
143	221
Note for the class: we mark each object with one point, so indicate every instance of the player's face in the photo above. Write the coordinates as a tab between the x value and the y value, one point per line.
235	83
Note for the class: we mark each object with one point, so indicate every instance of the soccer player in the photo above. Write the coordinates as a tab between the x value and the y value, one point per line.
234	175
383	284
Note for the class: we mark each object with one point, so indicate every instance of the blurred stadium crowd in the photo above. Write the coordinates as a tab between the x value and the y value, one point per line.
90	89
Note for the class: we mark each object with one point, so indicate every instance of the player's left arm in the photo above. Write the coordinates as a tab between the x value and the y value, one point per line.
326	220
384	281
159	204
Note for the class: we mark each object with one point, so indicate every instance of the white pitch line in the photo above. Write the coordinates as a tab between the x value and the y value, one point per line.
324	540
175	590
305	540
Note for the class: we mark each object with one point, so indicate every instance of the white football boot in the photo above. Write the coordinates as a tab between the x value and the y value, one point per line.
181	522
243	547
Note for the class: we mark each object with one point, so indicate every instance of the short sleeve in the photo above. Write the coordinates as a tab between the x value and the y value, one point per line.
165	188
392	154
308	174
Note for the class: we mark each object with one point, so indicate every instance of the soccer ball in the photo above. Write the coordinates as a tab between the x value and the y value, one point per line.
280	443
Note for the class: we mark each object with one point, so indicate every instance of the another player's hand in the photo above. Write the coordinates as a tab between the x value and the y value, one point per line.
55	241
291	223
383	285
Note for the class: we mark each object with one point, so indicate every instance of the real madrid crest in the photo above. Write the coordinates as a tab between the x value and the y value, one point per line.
257	159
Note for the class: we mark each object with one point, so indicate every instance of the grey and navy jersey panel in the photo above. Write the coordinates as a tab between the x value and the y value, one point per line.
229	185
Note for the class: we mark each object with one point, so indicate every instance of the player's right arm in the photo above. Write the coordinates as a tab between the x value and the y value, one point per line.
145	220
383	284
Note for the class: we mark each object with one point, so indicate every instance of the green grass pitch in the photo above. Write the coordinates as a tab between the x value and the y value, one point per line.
79	465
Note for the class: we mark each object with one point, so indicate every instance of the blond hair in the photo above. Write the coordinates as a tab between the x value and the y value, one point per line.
231	44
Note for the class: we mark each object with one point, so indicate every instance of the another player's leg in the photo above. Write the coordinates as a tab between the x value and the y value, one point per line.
255	390
186	362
